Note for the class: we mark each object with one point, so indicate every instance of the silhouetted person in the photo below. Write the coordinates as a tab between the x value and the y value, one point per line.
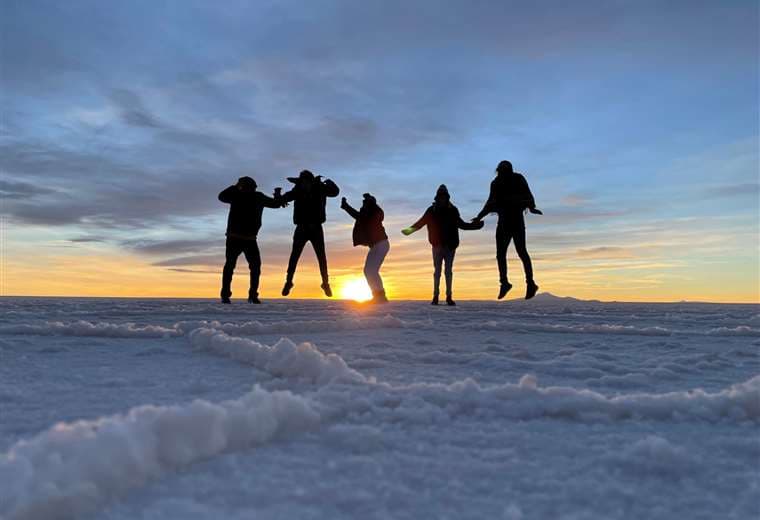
443	224
309	196
510	196
369	231
243	224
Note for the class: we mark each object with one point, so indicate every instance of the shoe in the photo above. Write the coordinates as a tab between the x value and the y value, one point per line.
531	290
226	300
504	289
379	297
253	298
326	288
287	287
435	301
450	302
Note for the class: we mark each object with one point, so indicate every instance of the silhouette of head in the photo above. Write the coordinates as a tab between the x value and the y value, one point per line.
442	195
247	183
504	168
369	201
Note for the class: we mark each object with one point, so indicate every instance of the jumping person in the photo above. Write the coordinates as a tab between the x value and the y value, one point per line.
369	231
443	224
243	224
510	196
309	196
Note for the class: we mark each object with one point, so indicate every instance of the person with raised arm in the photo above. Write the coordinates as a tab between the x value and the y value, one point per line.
309	197
509	197
369	231
443	224
243	224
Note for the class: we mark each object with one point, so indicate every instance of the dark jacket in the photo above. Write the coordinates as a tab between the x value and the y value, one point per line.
309	205
244	220
443	224
510	196
368	228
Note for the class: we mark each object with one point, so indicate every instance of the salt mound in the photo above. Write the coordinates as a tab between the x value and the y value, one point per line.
72	467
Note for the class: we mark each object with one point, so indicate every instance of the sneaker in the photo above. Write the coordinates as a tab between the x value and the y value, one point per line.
287	287
450	302
226	300
326	288
504	289
435	301
531	290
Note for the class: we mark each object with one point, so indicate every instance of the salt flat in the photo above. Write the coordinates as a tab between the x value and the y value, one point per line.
553	408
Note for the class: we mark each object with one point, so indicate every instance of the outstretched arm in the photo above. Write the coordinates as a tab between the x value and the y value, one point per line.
331	189
417	225
228	194
345	206
488	207
270	202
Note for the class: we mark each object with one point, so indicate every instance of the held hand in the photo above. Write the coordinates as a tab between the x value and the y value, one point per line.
479	224
536	211
408	231
343	203
476	219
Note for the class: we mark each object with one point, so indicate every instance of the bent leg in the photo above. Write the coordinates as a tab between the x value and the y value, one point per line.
503	238
232	251
253	256
317	237
299	241
375	258
522	251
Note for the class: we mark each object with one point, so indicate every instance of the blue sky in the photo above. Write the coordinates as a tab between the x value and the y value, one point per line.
636	124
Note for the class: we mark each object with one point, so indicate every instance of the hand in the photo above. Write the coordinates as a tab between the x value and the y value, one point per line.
343	203
479	224
408	231
476	219
536	211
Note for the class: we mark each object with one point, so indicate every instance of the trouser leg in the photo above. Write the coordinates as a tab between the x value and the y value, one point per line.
232	251
437	261
503	238
318	243
299	241
375	257
522	251
253	256
448	257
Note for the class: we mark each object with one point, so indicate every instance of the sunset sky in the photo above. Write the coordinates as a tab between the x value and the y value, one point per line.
635	122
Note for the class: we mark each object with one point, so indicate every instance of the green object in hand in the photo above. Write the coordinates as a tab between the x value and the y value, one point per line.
408	231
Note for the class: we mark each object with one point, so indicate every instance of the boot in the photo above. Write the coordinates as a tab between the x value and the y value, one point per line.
449	301
531	290
253	298
226	300
379	297
287	287
435	300
327	290
504	289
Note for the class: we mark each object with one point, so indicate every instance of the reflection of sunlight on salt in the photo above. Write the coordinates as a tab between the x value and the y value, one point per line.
355	289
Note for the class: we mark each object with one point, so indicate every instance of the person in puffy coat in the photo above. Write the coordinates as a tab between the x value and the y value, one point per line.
369	231
443	224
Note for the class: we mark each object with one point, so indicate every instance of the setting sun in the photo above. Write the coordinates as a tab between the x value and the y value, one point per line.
355	289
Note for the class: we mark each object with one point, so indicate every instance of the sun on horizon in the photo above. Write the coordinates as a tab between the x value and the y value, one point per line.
356	289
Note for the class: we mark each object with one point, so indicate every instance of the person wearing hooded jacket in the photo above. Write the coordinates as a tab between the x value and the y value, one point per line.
243	224
309	197
443	224
369	231
509	197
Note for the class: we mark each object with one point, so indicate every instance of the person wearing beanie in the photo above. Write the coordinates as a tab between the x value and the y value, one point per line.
243	224
369	231
443	224
309	197
510	196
